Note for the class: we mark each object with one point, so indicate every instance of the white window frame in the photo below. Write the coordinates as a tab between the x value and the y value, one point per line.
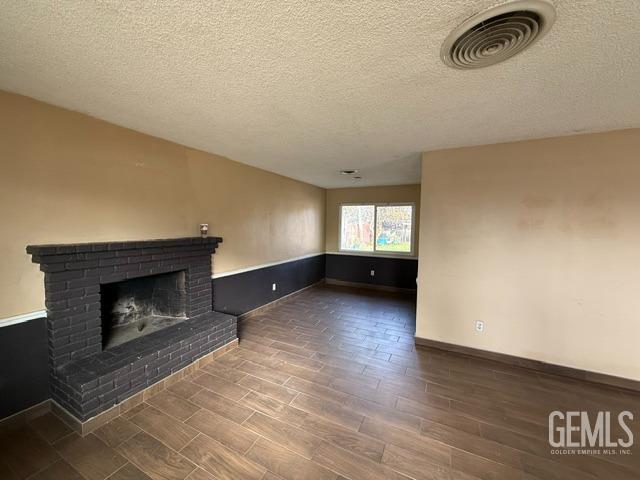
375	252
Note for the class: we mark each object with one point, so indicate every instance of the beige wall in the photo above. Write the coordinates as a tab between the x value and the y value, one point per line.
541	241
66	177
388	194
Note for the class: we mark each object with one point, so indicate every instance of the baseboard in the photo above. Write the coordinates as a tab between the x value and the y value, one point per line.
267	306
369	286
540	366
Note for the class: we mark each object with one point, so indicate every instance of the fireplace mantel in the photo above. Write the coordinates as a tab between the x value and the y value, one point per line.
88	248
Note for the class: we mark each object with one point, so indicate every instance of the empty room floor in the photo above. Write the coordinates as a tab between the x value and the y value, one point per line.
329	385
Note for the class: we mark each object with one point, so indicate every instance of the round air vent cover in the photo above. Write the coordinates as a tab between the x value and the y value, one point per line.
496	34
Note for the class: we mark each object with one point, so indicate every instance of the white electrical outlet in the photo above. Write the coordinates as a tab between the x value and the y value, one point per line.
480	326
273	287
373	273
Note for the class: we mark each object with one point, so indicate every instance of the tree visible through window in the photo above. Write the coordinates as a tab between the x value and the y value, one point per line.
393	228
376	228
357	228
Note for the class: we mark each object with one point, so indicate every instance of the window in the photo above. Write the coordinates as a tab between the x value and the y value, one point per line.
377	228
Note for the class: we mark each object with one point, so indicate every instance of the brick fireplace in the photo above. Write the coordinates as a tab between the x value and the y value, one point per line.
155	296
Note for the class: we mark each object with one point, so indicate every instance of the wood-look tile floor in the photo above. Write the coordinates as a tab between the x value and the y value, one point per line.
329	385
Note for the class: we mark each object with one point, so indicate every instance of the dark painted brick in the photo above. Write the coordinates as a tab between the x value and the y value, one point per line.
62	258
92	307
84	335
66	332
83	317
138	259
108	397
129	252
162	256
52	267
66	312
55	286
89	281
117	246
93	274
110	278
200	287
93	298
71	347
60	276
151	251
60	359
58	342
65	294
90	406
77	301
128	267
81	265
62	249
106	262
39	250
55	305
103	254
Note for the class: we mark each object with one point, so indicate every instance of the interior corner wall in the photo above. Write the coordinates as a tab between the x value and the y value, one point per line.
541	241
69	178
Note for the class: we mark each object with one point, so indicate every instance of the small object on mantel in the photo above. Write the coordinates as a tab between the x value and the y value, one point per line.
204	230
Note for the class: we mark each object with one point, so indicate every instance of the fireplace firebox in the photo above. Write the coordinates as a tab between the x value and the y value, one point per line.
121	316
140	306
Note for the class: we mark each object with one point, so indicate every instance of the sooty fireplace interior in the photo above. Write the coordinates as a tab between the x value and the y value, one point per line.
140	306
123	315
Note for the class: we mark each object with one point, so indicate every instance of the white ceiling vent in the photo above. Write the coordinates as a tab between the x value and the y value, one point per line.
498	33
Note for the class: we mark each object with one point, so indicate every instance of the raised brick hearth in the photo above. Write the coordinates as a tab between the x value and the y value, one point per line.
86	380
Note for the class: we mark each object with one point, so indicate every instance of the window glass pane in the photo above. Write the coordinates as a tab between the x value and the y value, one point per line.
357	228
393	228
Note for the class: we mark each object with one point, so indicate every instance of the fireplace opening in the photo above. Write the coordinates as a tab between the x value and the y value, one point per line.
140	306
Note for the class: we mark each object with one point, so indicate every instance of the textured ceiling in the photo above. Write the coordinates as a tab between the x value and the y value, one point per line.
305	88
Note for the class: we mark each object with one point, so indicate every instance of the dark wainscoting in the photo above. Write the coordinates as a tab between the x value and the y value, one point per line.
24	375
390	272
243	292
